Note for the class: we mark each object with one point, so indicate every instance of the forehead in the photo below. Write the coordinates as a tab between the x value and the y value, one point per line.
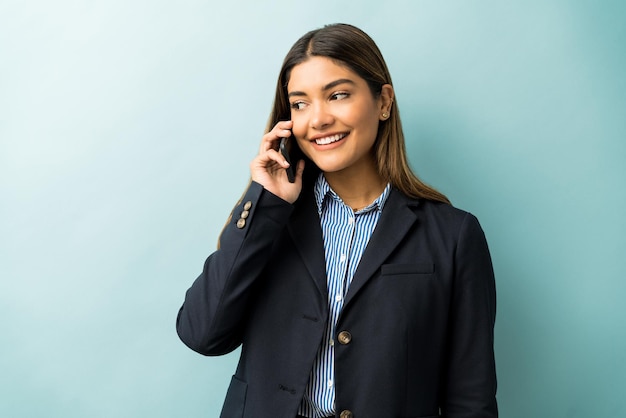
317	72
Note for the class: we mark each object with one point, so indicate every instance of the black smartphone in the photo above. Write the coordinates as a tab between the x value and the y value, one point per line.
290	151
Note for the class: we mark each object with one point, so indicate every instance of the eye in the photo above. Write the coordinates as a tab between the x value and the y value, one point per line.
340	95
297	105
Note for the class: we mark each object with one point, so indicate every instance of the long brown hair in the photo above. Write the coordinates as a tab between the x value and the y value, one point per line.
353	48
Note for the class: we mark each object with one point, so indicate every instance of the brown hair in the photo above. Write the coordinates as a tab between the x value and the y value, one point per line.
353	48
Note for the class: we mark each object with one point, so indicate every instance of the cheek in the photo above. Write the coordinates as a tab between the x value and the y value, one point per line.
299	134
363	117
304	146
298	129
372	119
367	126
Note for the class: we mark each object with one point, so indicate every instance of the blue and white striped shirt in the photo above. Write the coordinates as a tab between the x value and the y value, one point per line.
346	234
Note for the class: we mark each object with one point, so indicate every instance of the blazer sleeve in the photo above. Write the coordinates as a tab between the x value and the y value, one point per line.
471	375
216	306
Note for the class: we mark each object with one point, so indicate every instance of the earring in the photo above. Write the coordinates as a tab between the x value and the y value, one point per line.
385	115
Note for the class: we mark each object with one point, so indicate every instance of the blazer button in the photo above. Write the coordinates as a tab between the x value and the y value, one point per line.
344	338
241	223
245	214
247	205
346	414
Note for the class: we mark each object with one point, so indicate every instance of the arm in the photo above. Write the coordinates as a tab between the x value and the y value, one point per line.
216	306
471	377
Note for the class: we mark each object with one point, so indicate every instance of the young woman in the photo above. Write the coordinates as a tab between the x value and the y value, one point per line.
356	291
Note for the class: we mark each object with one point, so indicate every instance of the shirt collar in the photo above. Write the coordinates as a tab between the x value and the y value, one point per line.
323	190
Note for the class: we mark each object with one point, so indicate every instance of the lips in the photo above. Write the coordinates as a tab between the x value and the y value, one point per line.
330	139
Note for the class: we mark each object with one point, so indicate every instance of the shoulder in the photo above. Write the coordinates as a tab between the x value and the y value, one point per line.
435	208
430	208
443	217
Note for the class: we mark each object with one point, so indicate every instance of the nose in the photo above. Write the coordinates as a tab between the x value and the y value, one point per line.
321	118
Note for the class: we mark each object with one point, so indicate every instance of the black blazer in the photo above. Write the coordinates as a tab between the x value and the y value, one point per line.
416	327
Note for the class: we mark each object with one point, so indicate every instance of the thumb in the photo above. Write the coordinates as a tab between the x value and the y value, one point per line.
300	169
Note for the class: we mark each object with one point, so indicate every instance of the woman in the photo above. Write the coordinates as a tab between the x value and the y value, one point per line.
357	290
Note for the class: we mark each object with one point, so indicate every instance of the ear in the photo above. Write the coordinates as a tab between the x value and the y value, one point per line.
385	101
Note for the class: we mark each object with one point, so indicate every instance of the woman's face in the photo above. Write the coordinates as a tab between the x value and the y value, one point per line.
335	116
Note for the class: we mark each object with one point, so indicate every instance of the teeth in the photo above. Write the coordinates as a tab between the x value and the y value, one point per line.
329	139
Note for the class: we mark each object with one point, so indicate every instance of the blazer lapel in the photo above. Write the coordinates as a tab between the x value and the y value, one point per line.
395	221
306	233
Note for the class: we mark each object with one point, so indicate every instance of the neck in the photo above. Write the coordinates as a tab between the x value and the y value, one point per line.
357	188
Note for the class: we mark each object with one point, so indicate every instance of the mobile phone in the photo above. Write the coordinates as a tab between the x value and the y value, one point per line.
290	151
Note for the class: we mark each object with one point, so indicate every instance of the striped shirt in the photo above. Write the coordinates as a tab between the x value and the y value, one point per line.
346	234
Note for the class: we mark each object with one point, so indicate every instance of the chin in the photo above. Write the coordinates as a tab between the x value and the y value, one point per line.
329	166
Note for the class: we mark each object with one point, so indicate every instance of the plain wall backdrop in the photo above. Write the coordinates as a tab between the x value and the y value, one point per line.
126	129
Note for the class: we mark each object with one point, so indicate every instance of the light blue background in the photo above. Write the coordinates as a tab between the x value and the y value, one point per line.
126	128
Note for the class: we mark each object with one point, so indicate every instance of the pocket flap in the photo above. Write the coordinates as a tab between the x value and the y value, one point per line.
414	268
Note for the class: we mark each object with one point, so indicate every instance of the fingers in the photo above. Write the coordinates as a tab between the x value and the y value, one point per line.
272	138
268	167
273	155
269	162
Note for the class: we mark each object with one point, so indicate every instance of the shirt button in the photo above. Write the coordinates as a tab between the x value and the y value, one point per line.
342	258
350	221
331	343
338	297
344	337
330	383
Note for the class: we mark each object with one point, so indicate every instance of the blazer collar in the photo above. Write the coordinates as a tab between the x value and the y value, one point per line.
395	221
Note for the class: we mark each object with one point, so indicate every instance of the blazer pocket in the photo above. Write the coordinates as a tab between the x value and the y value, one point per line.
401	269
235	401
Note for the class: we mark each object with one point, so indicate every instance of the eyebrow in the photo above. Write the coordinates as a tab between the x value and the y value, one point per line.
326	87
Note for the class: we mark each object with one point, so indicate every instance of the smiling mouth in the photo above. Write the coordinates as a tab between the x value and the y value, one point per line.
330	139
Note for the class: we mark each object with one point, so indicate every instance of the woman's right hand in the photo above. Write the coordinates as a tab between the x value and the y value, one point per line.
268	167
